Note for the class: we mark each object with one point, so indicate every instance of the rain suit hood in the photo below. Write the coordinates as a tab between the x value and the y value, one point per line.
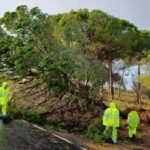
112	105
4	85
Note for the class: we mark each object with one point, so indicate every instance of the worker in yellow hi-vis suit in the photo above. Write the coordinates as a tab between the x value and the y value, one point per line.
111	120
133	122
4	97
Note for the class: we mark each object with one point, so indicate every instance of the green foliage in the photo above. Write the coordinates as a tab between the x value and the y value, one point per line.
95	132
144	79
112	38
33	117
16	113
89	72
66	46
71	27
57	125
58	68
19	113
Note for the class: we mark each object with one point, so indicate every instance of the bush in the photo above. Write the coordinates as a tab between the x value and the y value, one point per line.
30	116
95	132
33	117
16	113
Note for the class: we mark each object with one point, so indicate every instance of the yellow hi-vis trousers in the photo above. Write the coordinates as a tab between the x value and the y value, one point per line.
132	131
114	133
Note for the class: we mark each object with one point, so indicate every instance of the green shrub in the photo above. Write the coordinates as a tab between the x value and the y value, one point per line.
95	132
57	124
61	125
19	113
15	112
33	117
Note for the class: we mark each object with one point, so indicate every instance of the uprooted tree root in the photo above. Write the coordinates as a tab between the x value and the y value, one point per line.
74	112
31	94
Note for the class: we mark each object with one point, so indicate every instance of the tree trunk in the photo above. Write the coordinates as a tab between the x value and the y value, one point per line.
101	92
139	88
111	89
120	83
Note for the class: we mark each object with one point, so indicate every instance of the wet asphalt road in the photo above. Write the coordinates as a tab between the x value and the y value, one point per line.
20	135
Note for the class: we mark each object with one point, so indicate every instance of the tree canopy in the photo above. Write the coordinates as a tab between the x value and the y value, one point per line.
78	45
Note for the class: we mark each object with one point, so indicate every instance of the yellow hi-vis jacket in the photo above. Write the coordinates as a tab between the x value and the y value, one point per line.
133	119
4	94
111	116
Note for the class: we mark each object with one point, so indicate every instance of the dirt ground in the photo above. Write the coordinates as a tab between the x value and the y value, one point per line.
141	142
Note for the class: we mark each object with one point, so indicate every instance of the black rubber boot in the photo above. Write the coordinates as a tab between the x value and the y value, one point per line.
133	136
6	119
109	141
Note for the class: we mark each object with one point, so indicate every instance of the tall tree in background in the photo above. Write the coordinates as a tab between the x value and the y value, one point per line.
140	53
112	39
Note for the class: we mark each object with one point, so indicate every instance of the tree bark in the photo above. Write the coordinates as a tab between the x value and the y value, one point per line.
101	91
121	80
111	89
139	88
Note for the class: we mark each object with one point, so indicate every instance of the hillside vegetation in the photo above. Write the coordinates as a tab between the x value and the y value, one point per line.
62	68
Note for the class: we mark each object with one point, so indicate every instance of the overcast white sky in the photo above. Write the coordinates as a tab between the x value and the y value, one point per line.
135	11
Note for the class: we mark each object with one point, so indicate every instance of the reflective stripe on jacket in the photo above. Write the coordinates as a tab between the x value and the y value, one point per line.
4	94
111	116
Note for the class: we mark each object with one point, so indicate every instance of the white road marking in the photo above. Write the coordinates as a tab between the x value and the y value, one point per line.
83	148
24	121
39	127
64	139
